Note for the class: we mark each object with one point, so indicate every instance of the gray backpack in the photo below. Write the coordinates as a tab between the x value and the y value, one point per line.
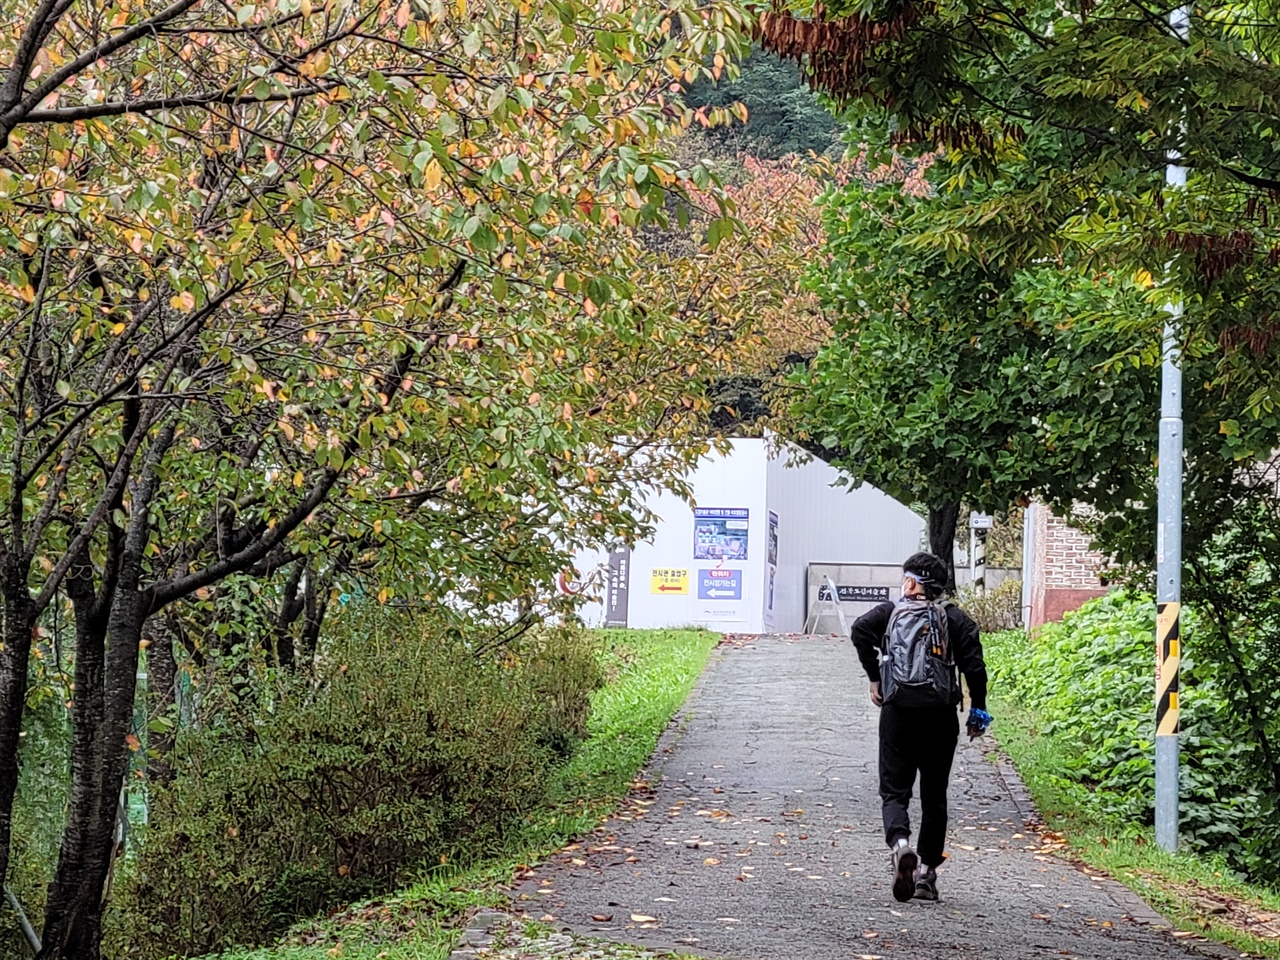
917	666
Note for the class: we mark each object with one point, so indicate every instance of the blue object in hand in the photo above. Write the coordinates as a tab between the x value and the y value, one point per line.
979	720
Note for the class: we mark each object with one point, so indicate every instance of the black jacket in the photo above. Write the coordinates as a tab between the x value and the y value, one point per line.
868	638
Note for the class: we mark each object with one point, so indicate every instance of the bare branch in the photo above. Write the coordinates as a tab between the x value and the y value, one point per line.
43	20
262	545
15	114
114	487
119	107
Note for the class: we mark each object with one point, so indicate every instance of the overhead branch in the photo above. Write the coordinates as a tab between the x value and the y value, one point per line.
21	110
117	108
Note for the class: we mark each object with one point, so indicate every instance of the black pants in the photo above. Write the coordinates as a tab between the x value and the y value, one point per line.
911	740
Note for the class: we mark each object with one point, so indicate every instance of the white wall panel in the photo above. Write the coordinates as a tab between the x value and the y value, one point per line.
727	482
816	523
822	523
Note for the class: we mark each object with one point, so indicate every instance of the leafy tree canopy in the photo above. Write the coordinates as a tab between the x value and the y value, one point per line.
1056	124
949	381
293	289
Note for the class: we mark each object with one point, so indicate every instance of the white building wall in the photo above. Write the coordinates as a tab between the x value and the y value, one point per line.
816	523
736	481
822	523
590	568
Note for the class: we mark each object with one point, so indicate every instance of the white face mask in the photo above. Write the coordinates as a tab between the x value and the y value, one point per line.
909	578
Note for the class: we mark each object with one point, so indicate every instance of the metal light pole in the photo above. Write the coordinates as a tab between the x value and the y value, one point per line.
1169	538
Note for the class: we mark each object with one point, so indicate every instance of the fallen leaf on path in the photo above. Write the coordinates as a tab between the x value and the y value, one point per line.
728	919
641	918
871	934
547	918
711	862
602	917
1040	916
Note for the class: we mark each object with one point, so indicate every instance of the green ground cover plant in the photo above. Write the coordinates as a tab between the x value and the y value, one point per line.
1074	713
648	675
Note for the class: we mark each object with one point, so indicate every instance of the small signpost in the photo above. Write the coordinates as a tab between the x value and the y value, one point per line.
979	524
618	588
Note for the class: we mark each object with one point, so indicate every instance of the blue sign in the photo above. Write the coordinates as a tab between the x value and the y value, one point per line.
719	584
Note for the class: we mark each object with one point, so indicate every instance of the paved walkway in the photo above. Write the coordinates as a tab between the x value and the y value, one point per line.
760	840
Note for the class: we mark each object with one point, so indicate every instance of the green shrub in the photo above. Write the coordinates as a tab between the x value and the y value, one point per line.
1089	681
999	608
405	745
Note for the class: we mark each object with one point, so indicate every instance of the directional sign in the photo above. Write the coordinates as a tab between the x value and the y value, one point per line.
668	581
719	584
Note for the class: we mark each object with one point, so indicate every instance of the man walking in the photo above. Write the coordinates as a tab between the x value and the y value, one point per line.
910	650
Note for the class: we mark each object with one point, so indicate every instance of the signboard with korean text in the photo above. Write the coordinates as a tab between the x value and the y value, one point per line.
669	581
617	588
720	584
852	593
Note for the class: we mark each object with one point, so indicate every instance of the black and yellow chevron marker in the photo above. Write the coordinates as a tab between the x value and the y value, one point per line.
1168	657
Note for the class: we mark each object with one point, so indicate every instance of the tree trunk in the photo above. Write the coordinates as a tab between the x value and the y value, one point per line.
942	537
162	678
13	695
291	608
99	761
317	605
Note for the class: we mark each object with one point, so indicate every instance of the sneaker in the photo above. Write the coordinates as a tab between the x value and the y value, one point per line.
927	884
905	862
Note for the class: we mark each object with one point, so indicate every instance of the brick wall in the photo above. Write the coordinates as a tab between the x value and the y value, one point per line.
1060	571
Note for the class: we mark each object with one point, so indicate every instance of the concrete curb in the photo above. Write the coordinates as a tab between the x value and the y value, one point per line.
480	933
1126	900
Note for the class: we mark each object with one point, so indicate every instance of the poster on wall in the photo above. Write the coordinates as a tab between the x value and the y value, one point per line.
720	583
669	581
720	533
771	575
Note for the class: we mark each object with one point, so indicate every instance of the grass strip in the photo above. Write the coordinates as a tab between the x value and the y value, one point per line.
651	673
1197	894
